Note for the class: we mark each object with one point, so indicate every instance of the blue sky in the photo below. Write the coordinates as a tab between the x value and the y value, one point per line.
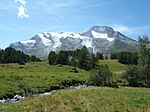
22	19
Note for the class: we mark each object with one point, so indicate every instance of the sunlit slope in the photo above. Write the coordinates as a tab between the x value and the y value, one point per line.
38	77
113	65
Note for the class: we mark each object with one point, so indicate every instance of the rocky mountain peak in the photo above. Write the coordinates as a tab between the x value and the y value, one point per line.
98	38
99	29
102	29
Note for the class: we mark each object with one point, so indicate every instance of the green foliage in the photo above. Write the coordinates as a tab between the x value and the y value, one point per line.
144	59
114	56
73	62
101	77
141	73
33	58
128	58
62	58
79	57
106	57
93	62
83	58
52	57
134	76
143	52
10	55
99	56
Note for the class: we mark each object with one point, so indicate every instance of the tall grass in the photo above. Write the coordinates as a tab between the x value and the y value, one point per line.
87	100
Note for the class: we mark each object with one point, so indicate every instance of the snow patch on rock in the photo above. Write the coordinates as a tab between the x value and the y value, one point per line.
45	40
102	36
28	42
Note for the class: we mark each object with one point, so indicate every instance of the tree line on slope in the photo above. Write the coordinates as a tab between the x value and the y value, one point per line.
126	57
81	58
10	55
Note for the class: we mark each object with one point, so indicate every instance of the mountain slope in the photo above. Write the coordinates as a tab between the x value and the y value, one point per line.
98	39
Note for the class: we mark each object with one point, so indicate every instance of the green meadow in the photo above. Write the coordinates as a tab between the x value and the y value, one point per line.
113	65
40	77
37	77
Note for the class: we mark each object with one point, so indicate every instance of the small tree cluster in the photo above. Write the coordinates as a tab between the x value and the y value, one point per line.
126	57
79	58
101	77
99	56
114	56
60	58
134	76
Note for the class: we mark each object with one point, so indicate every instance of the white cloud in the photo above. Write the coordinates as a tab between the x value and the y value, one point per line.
21	12
23	2
131	31
123	29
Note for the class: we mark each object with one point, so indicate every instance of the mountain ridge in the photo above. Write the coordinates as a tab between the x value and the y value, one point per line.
101	39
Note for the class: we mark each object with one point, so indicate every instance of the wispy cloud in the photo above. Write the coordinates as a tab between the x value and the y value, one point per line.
52	7
123	29
136	30
23	2
98	4
22	11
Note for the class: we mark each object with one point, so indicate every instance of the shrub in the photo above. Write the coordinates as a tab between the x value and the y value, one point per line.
134	76
100	77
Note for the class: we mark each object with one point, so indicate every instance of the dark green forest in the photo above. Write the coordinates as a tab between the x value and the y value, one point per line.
10	55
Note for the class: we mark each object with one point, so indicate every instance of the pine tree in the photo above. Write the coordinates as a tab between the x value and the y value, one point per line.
113	56
62	58
99	56
83	58
73	62
93	61
52	58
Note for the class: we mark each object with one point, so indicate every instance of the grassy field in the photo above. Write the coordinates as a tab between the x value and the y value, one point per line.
40	76
113	65
89	99
117	69
37	77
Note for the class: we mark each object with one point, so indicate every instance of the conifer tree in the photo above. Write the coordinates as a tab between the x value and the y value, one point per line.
52	58
83	58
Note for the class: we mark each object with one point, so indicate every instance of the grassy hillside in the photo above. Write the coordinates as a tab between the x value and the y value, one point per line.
113	65
117	70
87	100
37	77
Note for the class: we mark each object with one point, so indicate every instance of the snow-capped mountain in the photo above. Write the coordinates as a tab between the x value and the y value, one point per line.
98	39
